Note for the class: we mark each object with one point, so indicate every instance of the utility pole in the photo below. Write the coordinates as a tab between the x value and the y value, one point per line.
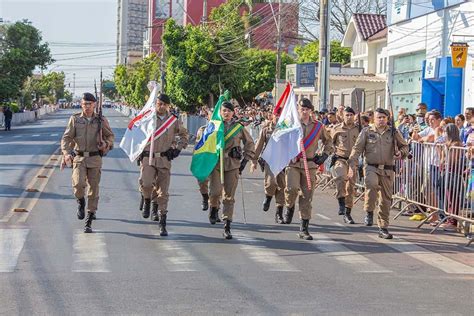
204	12
278	57
73	85
324	54
100	89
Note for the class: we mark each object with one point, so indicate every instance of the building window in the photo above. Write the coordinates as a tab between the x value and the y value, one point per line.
406	88
385	65
162	9
380	65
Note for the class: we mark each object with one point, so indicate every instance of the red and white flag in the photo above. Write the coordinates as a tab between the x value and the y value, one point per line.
141	127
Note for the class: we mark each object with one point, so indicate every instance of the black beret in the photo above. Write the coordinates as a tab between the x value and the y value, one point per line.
383	111
323	111
306	103
89	97
228	105
349	110
164	98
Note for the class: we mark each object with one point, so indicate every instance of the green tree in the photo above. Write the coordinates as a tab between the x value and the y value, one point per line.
310	53
22	51
50	87
258	75
131	82
109	89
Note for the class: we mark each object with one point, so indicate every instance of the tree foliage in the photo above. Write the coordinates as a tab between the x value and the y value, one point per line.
49	87
21	52
131	82
310	53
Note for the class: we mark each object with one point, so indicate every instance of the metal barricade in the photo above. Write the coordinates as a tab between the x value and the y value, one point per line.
457	175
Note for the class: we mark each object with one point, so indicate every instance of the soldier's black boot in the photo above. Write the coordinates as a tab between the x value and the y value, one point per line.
289	214
279	215
205	201
383	233
93	216
154	212
369	219
266	203
142	200
87	227
304	233
342	205
213	215
227	234
81	206
146	208
347	216
218	218
163	231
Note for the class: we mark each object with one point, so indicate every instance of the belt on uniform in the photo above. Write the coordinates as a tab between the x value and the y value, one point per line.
383	167
147	154
87	153
343	158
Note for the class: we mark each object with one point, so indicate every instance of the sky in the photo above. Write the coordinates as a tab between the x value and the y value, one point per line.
81	35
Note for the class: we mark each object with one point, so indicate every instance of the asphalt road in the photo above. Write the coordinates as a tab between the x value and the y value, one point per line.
49	267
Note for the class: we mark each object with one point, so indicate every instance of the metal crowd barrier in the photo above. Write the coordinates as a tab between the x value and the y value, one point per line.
436	178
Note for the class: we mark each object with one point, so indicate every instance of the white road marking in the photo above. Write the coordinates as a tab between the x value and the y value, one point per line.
22	200
35	135
90	252
339	224
179	259
53	135
260	254
346	256
323	217
16	136
11	244
431	258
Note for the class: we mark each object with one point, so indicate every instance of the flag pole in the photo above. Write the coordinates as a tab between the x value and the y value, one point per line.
305	164
221	163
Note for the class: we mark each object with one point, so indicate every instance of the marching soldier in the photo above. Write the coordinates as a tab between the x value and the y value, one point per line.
295	174
156	177
82	147
380	148
344	136
274	186
235	161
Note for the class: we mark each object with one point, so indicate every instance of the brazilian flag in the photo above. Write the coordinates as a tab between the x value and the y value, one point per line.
207	148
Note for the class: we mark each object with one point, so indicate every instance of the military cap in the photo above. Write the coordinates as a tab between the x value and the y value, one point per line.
323	111
383	111
306	103
164	98
349	110
228	105
89	97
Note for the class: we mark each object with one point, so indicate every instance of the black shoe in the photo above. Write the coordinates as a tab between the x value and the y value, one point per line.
289	214
227	234
146	208
383	233
87	227
142	200
213	215
304	233
342	205
347	216
279	215
94	217
266	203
163	231
154	212
205	202
369	219
81	206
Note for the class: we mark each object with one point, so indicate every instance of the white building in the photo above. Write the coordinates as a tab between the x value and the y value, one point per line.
420	33
132	18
